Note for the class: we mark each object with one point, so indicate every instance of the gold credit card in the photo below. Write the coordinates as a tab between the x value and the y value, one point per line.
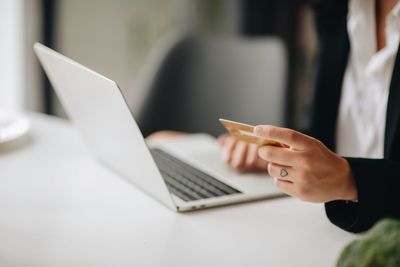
244	132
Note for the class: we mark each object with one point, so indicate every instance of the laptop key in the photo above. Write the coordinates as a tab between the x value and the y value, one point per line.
178	193
187	182
190	180
192	194
198	176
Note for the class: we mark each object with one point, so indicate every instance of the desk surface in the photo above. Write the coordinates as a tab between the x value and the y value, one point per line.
59	207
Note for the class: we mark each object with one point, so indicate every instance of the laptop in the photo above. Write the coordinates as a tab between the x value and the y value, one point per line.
185	173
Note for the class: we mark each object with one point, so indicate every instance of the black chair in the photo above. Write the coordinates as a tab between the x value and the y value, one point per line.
188	82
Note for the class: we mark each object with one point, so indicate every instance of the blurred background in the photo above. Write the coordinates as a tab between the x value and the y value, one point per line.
181	64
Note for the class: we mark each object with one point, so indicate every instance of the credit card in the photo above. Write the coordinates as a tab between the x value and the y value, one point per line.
244	132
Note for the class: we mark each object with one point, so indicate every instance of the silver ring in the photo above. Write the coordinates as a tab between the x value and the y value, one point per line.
284	173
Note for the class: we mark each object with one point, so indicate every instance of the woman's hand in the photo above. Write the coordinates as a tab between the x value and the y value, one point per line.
307	169
163	135
240	155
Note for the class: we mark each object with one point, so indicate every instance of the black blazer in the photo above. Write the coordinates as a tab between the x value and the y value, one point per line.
377	180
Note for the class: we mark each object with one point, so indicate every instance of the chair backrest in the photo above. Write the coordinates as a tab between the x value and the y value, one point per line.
201	79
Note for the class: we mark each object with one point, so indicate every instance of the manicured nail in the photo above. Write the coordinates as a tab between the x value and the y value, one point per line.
258	130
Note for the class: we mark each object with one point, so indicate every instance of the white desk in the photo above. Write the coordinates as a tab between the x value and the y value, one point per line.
58	207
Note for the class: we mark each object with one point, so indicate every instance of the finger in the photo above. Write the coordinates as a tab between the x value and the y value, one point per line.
222	139
253	161
239	155
286	187
229	145
163	135
261	164
284	135
279	155
281	172
252	156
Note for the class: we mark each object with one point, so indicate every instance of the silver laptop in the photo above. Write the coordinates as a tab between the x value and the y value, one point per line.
186	173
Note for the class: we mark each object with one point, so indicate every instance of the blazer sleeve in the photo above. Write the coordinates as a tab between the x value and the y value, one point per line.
378	186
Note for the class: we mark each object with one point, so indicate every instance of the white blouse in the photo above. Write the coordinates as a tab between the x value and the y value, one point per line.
362	110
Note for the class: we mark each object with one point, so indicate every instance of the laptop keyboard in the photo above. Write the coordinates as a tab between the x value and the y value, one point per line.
187	182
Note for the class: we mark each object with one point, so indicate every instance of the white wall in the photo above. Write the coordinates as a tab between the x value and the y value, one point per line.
114	37
11	54
20	76
33	87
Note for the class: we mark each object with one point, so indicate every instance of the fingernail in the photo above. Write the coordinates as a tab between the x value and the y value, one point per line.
258	130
